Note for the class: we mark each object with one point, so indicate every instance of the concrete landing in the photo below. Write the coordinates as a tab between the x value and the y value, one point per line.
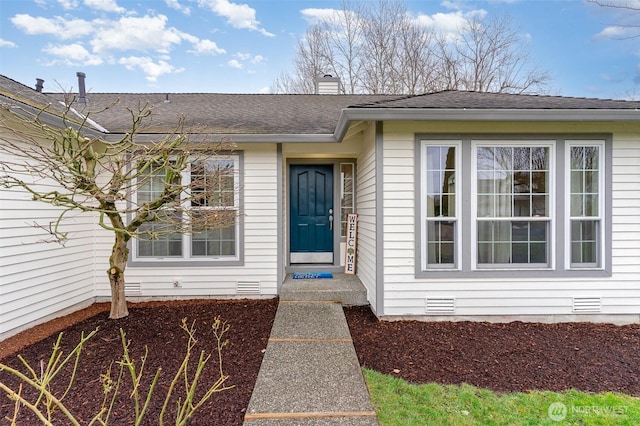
310	373
345	289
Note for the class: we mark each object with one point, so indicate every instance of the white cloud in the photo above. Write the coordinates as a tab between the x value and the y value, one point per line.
105	5
617	32
152	69
132	33
245	57
65	4
7	43
450	24
72	54
315	15
206	47
56	26
239	16
68	4
174	4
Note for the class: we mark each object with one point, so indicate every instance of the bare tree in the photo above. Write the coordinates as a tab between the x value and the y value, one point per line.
134	190
380	48
489	58
628	25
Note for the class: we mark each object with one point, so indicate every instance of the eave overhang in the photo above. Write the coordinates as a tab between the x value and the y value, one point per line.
235	138
349	115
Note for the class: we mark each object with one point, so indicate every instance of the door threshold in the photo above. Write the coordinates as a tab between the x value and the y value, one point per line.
316	267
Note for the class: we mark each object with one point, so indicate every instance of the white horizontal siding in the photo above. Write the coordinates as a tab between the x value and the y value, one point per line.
406	295
40	279
366	209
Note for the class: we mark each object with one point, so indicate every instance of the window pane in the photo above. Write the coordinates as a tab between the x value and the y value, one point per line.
584	241
159	238
440	181
507	242
150	183
212	183
440	242
346	203
585	184
214	242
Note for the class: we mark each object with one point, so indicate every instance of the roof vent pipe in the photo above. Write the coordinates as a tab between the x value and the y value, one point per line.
82	93
39	85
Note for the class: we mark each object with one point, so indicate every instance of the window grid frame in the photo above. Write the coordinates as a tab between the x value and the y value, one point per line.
456	218
560	267
599	219
550	192
187	255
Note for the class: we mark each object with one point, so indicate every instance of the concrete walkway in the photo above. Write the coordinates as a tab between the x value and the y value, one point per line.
310	373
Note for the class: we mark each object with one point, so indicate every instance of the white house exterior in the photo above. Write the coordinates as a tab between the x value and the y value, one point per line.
470	206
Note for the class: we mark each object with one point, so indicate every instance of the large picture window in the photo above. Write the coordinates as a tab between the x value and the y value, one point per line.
512	204
513	211
210	225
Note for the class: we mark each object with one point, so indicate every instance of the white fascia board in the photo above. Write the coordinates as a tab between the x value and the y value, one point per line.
237	138
49	118
505	115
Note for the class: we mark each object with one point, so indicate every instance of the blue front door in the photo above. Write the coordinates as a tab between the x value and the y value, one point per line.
311	194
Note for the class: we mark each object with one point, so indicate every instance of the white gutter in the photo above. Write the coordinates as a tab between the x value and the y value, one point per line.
237	138
500	115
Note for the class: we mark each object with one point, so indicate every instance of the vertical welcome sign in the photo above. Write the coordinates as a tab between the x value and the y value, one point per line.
352	231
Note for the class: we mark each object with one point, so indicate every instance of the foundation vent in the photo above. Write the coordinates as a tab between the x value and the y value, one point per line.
248	287
440	306
132	289
587	304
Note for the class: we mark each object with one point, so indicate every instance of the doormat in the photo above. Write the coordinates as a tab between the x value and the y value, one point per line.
311	275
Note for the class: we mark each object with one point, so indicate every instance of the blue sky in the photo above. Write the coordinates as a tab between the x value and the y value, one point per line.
241	46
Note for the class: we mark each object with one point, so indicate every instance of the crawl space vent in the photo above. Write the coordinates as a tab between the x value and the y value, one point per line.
587	304
248	287
132	289
440	306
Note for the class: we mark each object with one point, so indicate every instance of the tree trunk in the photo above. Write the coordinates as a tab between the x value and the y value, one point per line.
117	265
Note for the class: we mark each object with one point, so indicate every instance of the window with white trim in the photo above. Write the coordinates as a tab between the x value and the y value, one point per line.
211	225
512	204
440	205
584	199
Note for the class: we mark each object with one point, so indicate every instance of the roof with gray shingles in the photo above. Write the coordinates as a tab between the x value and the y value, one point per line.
224	113
15	92
255	114
453	99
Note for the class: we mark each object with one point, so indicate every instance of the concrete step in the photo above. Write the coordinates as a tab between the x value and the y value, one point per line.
345	289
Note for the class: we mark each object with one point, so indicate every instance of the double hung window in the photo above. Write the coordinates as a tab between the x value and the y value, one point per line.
512	204
206	227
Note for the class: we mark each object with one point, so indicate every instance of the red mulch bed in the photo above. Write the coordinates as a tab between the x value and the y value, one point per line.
503	357
157	326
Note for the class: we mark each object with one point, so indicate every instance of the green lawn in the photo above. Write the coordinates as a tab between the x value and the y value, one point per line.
400	403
